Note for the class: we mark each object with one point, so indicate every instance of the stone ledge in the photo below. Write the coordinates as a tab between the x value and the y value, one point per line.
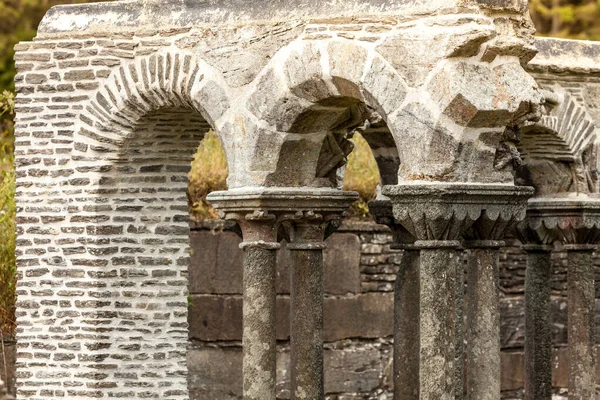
576	57
162	14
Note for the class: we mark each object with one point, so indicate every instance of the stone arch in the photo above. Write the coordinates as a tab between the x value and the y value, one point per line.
132	155
165	80
312	99
560	152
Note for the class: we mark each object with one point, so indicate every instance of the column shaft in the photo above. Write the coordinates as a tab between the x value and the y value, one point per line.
581	299
406	328
538	331
259	339
438	318
483	324
306	323
459	359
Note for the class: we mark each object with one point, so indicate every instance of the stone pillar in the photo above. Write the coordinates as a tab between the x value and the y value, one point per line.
483	241
483	320
406	305
437	215
582	301
306	308
537	241
307	216
259	231
575	221
259	338
438	266
538	328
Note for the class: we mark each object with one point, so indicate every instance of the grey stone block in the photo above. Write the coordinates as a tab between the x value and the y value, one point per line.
216	263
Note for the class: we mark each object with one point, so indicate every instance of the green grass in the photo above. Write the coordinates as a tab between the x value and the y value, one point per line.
8	269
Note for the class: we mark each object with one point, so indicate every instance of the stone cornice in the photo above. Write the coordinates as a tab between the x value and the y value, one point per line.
562	56
161	14
282	200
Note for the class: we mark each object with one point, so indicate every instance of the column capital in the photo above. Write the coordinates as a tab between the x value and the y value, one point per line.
382	211
574	221
446	211
263	211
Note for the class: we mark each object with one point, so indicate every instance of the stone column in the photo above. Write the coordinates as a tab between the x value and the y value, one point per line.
306	308
537	241
582	301
316	218
259	341
259	337
483	241
578	226
575	221
438	266
437	215
406	305
537	237
483	320
306	216
538	329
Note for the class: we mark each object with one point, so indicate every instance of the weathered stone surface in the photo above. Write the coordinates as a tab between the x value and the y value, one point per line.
217	373
214	318
341	266
103	159
216	263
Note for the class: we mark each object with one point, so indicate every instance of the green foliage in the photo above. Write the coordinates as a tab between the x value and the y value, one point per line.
209	173
362	176
573	19
20	19
8	268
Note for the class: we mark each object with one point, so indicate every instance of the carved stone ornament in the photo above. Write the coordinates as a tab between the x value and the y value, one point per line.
277	206
443	211
570	220
560	152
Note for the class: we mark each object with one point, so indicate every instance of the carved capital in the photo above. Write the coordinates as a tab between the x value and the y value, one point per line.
382	211
299	214
446	211
573	221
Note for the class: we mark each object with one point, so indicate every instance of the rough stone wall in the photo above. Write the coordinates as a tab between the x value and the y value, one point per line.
358	314
113	99
360	270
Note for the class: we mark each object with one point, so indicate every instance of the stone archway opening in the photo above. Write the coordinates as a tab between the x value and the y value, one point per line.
142	214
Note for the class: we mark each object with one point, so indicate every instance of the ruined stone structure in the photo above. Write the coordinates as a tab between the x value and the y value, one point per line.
114	98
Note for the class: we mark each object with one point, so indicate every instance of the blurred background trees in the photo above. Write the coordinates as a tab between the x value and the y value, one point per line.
573	19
